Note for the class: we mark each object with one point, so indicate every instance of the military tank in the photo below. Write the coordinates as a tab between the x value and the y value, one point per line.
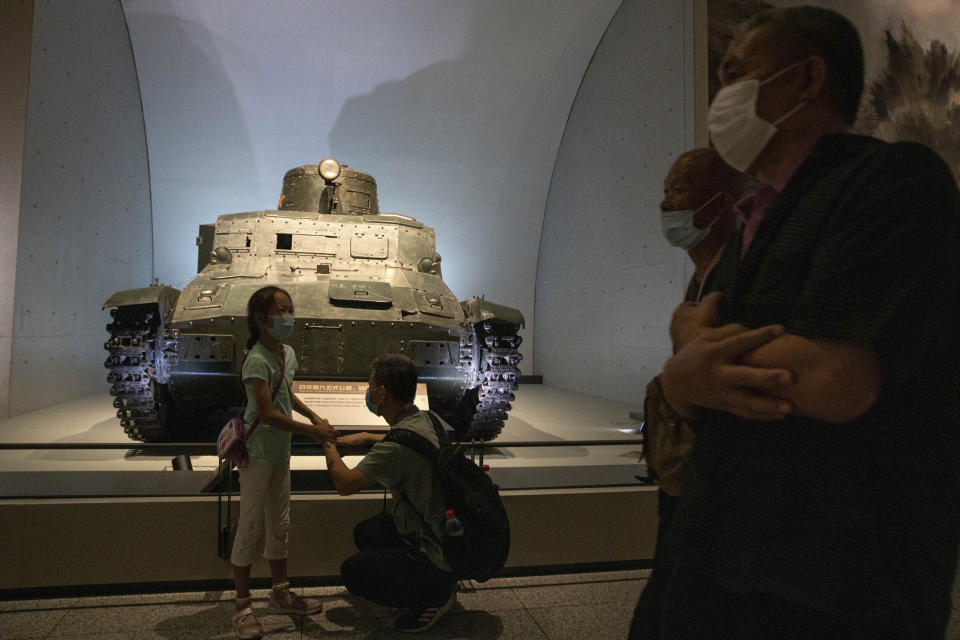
363	283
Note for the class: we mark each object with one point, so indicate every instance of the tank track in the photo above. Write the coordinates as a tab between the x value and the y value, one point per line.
495	348
132	349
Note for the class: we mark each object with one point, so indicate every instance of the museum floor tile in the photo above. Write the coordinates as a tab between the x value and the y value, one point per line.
556	607
585	606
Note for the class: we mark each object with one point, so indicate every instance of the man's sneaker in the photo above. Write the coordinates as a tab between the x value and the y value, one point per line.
246	624
414	620
282	600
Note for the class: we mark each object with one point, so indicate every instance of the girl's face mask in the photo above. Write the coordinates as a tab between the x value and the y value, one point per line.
282	327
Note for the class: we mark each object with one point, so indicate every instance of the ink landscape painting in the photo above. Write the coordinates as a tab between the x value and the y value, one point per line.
912	62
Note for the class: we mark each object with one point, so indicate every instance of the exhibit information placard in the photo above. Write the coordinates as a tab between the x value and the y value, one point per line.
343	403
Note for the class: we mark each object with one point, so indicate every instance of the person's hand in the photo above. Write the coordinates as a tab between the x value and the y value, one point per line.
354	439
323	432
706	373
691	318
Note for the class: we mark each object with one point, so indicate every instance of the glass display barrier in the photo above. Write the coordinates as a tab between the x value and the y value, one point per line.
553	439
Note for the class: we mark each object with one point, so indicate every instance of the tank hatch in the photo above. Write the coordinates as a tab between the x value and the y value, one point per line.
361	293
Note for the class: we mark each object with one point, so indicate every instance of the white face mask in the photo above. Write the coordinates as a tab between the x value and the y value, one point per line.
678	227
736	130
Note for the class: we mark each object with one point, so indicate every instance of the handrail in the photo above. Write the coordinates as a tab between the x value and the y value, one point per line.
211	447
213	480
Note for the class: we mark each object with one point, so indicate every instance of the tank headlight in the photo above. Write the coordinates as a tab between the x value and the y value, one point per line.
329	169
222	255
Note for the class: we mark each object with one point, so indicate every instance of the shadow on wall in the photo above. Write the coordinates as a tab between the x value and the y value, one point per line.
193	123
431	127
472	150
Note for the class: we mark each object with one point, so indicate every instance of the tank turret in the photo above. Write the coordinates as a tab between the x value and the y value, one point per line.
329	187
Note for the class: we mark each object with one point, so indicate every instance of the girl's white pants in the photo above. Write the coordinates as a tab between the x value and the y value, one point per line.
264	513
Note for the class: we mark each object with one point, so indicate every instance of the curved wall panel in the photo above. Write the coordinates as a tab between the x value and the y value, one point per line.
16	28
456	108
607	282
84	228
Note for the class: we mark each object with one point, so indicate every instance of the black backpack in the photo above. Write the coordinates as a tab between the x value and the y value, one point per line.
482	550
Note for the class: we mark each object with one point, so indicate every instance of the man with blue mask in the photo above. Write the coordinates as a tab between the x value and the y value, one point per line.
699	194
696	213
399	562
820	371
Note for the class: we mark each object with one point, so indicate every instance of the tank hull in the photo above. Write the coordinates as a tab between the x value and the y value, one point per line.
363	284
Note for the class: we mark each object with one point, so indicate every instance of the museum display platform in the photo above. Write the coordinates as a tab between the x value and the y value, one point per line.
546	422
567	465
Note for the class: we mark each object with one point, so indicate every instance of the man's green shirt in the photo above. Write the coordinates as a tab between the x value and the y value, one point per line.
404	472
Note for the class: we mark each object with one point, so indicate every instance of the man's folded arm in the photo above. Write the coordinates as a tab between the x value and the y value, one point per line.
834	381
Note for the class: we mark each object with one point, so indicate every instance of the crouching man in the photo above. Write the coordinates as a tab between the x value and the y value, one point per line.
400	561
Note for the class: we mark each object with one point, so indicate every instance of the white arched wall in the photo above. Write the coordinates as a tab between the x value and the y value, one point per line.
607	282
456	108
16	29
84	217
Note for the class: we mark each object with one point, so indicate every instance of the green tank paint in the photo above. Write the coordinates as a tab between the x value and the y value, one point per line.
363	283
154	294
478	309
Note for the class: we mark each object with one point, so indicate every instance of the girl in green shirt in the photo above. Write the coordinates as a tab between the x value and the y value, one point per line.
265	479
